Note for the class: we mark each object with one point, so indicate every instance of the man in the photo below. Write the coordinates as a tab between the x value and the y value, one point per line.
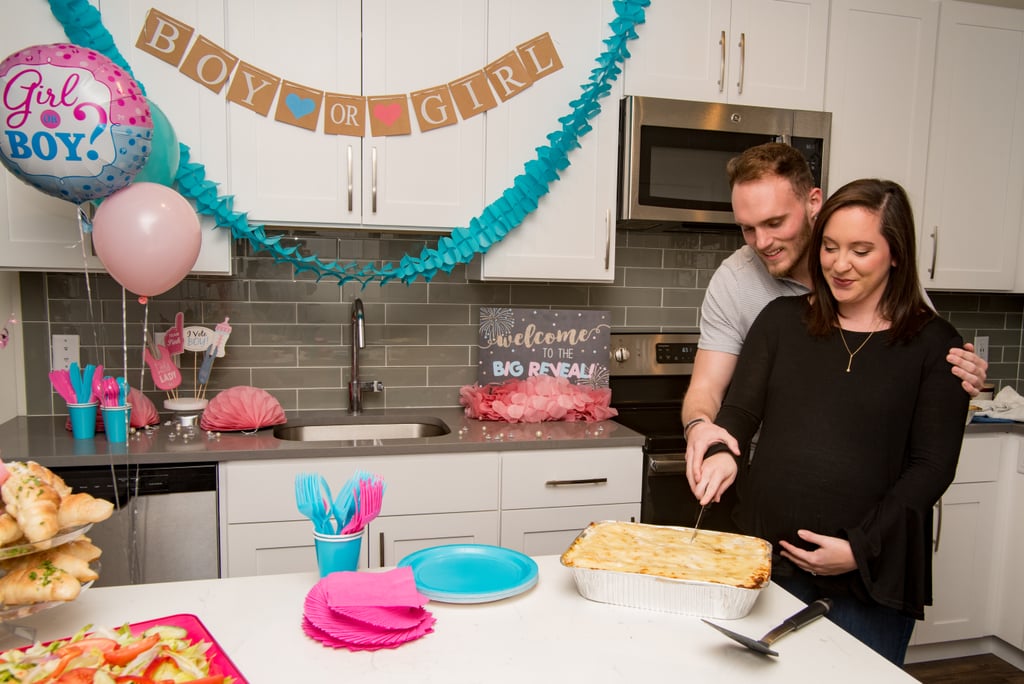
775	203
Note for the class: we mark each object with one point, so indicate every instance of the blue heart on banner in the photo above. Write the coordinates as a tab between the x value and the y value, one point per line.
299	106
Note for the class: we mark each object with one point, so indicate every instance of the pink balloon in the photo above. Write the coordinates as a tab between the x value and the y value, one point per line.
148	237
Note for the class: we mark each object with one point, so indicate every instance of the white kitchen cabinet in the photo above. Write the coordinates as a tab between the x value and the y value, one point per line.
881	98
571	235
282	174
1009	603
273	548
261	528
535	501
39	232
550	531
769	53
974	198
963	543
548	498
392	538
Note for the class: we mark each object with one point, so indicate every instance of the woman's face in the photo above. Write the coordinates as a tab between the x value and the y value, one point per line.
855	258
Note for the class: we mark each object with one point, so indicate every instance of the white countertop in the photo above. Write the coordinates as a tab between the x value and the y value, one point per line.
548	634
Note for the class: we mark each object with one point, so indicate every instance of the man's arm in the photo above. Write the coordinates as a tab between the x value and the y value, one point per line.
712	373
969	367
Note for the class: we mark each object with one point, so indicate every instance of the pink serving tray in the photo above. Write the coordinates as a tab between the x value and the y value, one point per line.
220	664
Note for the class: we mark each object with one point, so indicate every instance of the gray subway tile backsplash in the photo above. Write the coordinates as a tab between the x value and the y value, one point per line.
291	335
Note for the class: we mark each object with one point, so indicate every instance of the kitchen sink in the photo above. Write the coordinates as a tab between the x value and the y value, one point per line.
365	428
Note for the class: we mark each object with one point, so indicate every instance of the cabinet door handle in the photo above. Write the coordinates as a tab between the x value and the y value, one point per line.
721	64
382	549
743	61
373	181
938	527
350	189
935	251
607	238
570	483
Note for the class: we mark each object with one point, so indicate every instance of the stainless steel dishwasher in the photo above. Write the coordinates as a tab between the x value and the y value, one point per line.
164	527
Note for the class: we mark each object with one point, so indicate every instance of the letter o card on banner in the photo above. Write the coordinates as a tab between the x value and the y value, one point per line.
519	343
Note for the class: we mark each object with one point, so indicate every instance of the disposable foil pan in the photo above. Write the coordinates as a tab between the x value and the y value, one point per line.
665	594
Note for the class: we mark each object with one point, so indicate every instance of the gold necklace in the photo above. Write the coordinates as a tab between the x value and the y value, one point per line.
853	353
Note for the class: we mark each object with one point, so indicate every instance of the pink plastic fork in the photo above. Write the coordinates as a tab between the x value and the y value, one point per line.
370	499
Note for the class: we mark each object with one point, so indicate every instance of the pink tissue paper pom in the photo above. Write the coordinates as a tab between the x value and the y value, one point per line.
537	399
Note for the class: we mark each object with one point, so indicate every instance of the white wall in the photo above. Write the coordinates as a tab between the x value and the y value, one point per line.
12	369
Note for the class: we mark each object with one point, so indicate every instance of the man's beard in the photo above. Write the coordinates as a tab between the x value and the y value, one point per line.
796	250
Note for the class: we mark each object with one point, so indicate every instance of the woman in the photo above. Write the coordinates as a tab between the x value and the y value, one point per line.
861	422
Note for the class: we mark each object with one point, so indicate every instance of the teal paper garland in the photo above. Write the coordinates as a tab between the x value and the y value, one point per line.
83	26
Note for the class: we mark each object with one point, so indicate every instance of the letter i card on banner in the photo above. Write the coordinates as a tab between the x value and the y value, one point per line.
518	343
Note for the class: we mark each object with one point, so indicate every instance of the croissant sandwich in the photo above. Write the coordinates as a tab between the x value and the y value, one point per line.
54	575
41	504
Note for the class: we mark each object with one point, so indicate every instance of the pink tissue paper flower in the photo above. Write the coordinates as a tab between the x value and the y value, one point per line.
537	399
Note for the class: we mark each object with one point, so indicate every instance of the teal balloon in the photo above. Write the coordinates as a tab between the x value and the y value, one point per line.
164	155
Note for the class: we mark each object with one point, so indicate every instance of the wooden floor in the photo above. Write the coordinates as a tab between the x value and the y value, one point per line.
981	669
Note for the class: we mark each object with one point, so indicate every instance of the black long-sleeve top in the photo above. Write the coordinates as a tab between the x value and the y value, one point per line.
862	455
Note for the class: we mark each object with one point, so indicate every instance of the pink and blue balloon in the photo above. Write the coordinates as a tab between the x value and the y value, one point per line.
72	123
147	236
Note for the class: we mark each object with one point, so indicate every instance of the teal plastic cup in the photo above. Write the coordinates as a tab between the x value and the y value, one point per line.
83	420
337	552
115	422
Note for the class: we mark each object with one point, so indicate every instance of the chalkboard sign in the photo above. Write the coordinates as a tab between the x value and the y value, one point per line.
516	344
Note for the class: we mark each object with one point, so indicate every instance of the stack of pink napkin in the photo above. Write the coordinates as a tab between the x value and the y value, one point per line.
366	611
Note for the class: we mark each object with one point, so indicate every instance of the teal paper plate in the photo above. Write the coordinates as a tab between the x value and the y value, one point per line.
471	573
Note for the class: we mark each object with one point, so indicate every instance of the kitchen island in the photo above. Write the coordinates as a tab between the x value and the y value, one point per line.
548	634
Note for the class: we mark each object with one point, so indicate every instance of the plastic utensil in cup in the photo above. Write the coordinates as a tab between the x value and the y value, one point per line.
61	381
85	388
83	420
337	552
75	375
307	486
97	384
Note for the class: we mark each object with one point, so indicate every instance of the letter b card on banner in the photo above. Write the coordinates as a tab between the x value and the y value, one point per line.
519	343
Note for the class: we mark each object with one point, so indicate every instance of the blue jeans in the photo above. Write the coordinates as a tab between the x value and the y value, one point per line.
883	629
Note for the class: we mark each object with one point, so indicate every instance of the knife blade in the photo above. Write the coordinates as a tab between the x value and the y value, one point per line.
697	524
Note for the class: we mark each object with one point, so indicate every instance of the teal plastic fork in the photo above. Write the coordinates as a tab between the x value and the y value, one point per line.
309	500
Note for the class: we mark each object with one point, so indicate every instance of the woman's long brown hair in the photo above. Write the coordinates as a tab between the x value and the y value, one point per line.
902	303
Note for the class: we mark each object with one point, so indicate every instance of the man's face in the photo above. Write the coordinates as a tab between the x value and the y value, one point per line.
776	223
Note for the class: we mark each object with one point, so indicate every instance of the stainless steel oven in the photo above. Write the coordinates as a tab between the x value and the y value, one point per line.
649	374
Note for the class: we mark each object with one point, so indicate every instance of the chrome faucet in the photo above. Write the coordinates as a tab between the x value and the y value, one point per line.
355	386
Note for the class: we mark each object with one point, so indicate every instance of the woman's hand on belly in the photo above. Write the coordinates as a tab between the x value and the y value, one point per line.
833	555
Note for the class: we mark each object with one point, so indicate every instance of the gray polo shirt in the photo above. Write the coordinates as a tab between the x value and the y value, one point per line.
740	287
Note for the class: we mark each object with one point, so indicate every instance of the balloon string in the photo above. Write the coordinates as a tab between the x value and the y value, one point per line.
145	332
85	226
124	333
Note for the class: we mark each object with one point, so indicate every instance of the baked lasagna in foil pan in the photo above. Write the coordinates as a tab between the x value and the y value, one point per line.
657	567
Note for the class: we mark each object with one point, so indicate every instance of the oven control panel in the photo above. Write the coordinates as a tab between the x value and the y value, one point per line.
675	352
652	353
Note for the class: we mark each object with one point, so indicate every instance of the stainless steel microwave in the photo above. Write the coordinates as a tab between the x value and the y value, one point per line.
673	154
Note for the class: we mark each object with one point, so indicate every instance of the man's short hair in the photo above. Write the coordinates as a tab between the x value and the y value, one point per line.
772	159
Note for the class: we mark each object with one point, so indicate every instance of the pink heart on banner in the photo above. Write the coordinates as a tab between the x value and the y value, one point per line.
388	113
